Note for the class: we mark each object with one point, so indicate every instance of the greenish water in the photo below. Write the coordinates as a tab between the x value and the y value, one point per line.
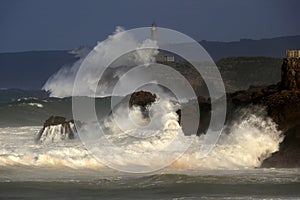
51	183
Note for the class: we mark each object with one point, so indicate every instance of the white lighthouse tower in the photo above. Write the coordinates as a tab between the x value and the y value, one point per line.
154	32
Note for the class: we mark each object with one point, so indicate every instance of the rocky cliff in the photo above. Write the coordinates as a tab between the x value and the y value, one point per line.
282	102
290	74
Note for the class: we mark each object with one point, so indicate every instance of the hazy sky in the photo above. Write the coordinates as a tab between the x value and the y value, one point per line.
66	24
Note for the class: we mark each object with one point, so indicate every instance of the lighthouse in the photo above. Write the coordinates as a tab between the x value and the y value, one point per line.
154	32
161	57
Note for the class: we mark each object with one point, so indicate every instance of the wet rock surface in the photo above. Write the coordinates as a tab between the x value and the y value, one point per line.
282	102
56	128
142	98
290	74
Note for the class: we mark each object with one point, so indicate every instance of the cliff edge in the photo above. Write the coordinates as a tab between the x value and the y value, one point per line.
282	102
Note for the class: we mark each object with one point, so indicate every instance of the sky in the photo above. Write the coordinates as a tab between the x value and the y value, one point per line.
68	24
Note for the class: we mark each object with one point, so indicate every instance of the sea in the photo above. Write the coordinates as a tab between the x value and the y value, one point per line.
67	169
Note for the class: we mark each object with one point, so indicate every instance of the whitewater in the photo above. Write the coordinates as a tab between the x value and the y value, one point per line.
243	145
63	168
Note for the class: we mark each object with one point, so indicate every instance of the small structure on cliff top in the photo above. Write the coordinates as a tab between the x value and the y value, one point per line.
292	53
290	70
161	56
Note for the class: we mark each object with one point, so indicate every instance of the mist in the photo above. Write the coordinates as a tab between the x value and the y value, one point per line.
103	65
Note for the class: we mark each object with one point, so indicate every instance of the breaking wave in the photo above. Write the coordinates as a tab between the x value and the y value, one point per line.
243	144
61	83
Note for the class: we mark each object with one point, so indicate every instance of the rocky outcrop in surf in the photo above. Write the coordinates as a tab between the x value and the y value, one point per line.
283	108
56	128
141	98
282	104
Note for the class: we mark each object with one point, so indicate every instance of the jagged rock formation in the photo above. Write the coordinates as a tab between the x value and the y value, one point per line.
56	128
141	98
282	102
144	99
284	108
289	151
290	74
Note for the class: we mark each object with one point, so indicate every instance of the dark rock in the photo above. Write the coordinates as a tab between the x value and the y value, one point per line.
56	127
283	108
289	153
54	120
290	74
282	102
190	110
142	99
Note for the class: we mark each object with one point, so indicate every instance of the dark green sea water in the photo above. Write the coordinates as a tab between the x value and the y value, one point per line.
41	183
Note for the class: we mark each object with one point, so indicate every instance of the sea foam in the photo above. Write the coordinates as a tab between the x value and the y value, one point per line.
243	144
